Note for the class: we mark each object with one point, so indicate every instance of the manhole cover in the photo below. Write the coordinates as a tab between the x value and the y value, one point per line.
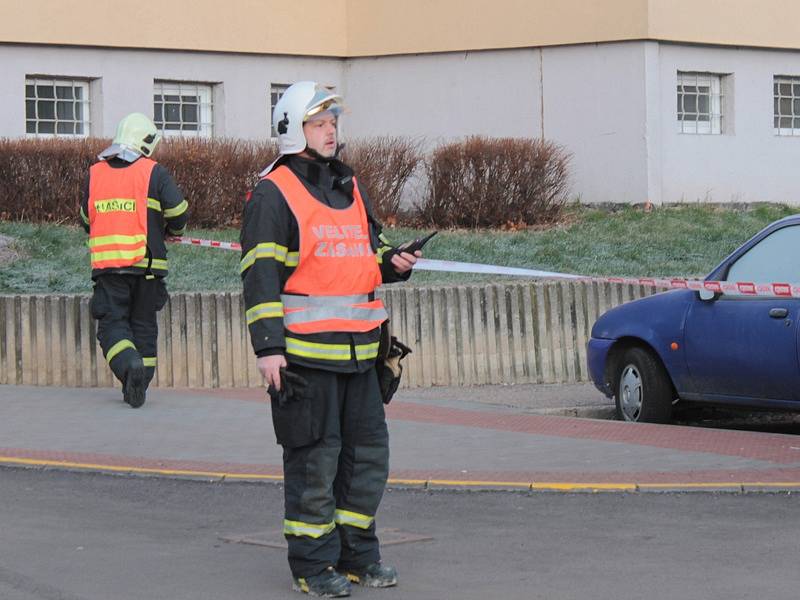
275	539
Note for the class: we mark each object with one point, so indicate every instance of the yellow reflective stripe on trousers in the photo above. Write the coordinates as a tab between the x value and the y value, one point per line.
315	350
158	263
264	250
347	517
265	310
312	530
177	210
176	232
367	351
117	239
150	361
119	347
154	204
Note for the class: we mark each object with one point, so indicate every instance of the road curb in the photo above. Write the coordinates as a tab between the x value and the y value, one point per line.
430	485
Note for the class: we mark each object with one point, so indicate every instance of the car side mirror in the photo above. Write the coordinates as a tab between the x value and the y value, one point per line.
706	295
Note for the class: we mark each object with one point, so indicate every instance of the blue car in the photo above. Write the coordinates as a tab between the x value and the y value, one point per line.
723	349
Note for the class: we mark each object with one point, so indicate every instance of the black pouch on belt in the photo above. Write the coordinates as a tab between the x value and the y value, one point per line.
390	354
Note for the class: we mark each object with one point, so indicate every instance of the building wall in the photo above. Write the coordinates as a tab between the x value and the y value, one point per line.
748	162
445	96
123	82
238	26
593	97
594	106
350	28
383	27
611	105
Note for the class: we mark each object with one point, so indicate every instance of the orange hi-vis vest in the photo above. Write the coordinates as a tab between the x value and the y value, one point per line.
118	213
331	288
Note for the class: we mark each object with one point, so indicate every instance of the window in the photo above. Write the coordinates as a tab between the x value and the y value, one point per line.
773	259
183	109
787	105
276	90
58	107
699	103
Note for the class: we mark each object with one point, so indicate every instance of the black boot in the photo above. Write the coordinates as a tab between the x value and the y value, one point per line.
133	390
375	575
328	584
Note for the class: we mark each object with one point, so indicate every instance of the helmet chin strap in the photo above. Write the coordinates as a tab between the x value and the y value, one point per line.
343	175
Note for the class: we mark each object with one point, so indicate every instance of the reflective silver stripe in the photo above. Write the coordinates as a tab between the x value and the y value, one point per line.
349	313
293	301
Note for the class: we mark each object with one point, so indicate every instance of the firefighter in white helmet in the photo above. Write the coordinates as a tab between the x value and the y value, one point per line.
312	257
130	202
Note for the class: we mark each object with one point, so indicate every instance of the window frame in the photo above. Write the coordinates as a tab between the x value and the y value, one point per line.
793	81
202	91
56	81
714	124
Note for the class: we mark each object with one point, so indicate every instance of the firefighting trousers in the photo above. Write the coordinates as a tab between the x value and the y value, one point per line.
125	307
335	463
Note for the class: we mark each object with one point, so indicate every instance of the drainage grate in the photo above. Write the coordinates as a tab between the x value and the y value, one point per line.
275	539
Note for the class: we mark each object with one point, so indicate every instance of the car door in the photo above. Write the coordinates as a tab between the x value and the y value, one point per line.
746	346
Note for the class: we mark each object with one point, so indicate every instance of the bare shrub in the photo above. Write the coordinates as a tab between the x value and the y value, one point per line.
495	182
383	165
43	180
215	175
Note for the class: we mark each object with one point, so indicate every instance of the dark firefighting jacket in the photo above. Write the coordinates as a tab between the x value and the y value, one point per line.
270	239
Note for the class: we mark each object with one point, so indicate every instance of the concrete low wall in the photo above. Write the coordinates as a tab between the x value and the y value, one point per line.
461	335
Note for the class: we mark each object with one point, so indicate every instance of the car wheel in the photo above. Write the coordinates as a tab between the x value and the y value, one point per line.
643	389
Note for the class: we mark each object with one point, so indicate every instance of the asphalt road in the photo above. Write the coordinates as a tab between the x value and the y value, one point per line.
76	536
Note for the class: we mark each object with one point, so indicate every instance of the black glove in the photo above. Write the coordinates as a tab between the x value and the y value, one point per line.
293	387
389	368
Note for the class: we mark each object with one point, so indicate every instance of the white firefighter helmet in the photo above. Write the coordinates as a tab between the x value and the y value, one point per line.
300	102
136	136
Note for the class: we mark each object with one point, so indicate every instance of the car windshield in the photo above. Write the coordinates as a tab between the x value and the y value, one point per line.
773	259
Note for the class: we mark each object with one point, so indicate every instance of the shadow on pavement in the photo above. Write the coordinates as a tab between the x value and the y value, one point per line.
764	421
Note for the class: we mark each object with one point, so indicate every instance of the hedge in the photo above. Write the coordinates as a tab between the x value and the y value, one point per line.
474	183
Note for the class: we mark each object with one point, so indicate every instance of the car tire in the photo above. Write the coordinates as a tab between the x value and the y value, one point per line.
643	390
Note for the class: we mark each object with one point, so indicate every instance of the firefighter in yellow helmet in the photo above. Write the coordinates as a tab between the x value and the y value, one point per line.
312	257
130	204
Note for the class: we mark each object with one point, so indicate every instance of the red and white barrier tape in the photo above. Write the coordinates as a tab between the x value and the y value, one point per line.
738	288
206	243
